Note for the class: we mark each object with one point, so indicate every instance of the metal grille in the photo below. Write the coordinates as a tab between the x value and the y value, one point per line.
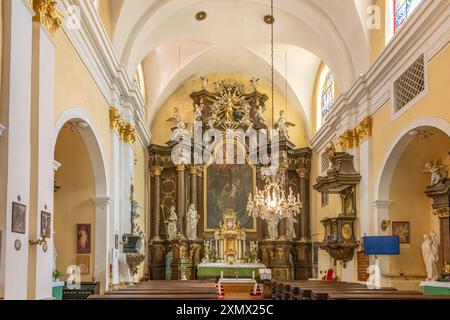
325	162
410	84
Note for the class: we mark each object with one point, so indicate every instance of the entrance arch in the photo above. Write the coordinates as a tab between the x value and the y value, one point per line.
100	199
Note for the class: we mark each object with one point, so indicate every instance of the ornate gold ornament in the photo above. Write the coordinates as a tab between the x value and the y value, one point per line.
129	133
441	213
126	131
353	137
269	19
114	119
364	129
201	15
47	15
347	232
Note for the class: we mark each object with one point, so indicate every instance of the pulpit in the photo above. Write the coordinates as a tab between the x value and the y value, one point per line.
230	239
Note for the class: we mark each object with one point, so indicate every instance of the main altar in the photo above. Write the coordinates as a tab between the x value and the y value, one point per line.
198	213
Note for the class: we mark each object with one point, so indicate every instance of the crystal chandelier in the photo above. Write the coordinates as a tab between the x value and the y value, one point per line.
271	202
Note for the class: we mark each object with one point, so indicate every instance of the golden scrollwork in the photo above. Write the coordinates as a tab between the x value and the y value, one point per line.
353	137
126	131
47	15
441	213
157	171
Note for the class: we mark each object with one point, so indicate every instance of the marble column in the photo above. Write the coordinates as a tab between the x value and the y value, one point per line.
181	197
304	219
156	172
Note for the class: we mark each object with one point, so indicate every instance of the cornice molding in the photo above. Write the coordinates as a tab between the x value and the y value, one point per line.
425	31
94	47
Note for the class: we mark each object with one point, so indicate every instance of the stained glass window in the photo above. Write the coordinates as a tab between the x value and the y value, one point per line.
328	95
402	10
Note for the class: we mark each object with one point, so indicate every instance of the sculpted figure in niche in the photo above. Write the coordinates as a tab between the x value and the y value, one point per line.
171	223
191	223
438	172
430	253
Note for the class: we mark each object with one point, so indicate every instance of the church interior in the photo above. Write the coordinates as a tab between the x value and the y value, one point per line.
224	149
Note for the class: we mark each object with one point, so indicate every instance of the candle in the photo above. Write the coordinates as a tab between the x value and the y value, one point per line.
110	268
253	275
221	274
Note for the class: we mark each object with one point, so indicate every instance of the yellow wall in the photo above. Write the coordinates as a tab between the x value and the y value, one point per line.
73	202
409	202
161	128
75	88
434	104
378	36
140	195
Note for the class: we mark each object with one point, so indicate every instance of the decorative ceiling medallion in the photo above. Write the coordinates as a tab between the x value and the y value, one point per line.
269	19
200	16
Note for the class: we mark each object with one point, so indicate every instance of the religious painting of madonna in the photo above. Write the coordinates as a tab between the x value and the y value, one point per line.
227	187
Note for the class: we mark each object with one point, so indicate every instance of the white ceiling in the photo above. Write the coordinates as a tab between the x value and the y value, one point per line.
234	38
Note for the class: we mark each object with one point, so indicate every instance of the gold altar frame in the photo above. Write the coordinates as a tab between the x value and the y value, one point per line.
205	181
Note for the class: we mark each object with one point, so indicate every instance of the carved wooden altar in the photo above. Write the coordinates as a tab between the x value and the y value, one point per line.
230	239
230	106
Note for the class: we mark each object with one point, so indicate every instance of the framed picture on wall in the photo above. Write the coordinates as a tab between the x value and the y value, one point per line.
46	224
18	224
84	263
402	230
83	238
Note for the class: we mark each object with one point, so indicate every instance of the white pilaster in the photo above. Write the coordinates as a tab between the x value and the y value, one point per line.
127	156
15	147
42	162
115	205
365	170
102	238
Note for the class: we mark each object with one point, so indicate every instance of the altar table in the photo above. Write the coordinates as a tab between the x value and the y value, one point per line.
238	270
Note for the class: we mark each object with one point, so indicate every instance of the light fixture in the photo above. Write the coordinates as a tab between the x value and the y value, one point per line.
272	202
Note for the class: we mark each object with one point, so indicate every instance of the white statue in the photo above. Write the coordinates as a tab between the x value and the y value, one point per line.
430	253
438	172
198	112
207	251
180	131
290	231
260	113
282	125
273	228
204	82
192	218
172	224
254	82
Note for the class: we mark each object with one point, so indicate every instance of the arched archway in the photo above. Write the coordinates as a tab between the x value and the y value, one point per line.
99	200
400	194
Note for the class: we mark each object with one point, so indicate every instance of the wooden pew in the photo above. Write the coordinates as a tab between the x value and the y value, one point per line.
166	296
384	296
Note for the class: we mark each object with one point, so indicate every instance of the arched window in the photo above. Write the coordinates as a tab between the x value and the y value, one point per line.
402	10
328	95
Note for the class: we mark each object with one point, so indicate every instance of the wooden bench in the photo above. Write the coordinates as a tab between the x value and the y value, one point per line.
399	295
166	296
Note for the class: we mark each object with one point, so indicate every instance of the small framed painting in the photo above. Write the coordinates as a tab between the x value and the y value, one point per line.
83	238
46	224
402	230
84	263
18	224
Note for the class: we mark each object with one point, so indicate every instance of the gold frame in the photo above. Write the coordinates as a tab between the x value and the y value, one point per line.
205	180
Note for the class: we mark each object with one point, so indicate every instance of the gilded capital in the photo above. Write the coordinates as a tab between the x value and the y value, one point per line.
302	173
114	119
348	140
441	212
47	15
157	171
129	133
181	167
364	129
193	169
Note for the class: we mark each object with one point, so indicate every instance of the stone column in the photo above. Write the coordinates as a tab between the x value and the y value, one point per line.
181	197
304	219
156	172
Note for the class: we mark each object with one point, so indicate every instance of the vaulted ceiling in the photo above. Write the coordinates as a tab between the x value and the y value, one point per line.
235	39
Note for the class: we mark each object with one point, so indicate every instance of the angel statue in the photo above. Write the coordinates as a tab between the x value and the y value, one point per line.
438	172
204	82
430	253
171	223
254	83
282	125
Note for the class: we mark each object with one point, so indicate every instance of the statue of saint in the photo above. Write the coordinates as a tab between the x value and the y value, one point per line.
273	228
260	113
438	172
290	231
198	112
191	223
180	131
430	253
204	82
282	125
172	225
254	83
